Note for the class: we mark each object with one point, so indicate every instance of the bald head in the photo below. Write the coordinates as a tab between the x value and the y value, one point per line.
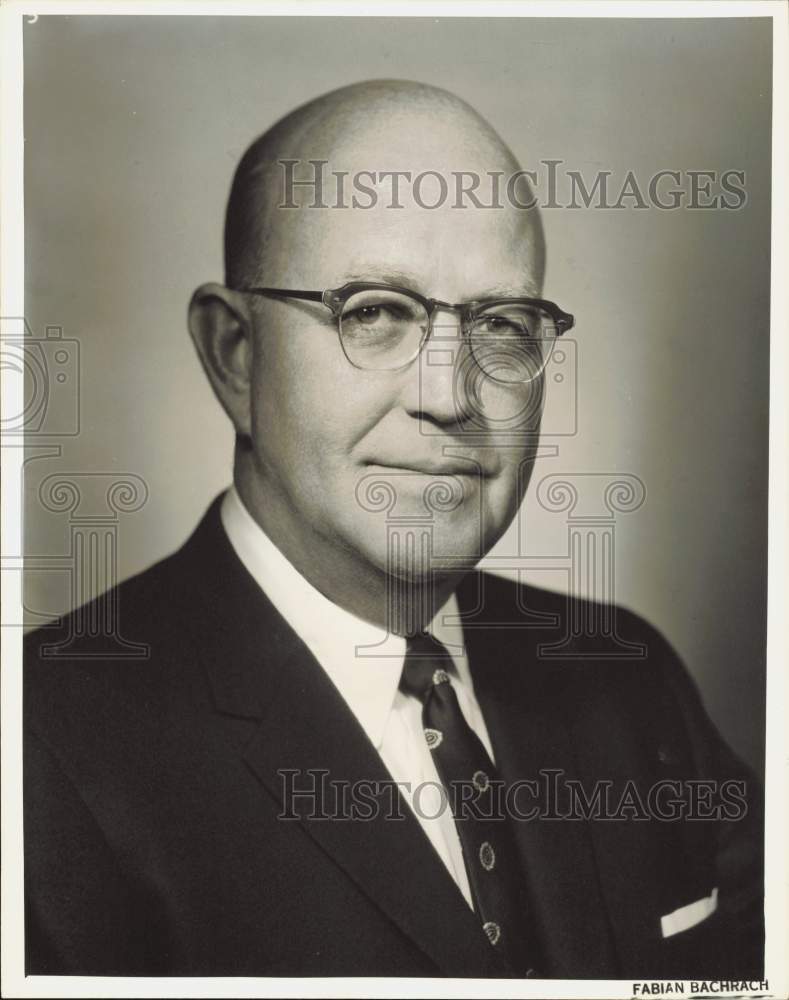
369	130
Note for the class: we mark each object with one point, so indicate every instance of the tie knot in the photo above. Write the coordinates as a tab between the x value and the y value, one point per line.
427	663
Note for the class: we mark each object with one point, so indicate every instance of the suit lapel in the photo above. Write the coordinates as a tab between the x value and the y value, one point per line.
259	669
530	732
629	852
390	859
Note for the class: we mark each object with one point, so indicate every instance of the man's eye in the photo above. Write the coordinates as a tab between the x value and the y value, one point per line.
368	315
502	325
376	314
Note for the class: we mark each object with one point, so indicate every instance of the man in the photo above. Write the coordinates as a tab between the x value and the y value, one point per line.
228	806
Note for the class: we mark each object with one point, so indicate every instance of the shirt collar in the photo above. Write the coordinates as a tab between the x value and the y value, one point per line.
363	661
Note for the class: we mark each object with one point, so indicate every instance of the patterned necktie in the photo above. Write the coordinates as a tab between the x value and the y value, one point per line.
468	775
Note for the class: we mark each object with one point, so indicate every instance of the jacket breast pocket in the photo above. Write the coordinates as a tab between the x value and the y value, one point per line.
688	916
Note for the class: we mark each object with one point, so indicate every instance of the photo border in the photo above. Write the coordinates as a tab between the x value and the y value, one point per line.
14	983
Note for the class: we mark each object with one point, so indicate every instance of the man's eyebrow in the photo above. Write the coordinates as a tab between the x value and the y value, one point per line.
525	291
387	277
393	277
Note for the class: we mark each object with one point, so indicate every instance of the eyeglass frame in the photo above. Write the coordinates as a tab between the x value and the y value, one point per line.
335	298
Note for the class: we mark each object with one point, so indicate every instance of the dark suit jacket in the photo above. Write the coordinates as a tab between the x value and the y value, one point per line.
153	790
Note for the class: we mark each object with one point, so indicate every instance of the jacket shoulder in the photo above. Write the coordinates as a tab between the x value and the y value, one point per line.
124	649
590	652
582	628
147	606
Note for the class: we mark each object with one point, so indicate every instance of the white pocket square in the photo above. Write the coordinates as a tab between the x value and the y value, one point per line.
688	916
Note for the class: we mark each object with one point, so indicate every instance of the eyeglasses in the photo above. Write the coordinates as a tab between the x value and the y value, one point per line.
384	327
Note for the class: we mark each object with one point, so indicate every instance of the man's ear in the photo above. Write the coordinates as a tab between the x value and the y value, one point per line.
221	328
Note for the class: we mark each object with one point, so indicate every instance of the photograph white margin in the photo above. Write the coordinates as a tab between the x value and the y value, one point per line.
14	983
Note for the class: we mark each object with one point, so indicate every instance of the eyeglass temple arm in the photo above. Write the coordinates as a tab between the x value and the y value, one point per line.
287	293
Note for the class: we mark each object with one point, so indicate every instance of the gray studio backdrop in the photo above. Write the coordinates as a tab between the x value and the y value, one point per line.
133	127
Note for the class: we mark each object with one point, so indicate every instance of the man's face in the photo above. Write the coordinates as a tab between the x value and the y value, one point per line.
351	457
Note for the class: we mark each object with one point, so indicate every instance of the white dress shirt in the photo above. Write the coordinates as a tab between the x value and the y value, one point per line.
364	662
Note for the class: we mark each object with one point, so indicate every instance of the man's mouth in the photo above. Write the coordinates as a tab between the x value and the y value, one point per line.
429	466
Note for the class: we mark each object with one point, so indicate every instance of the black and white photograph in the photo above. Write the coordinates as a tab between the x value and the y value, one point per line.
394	485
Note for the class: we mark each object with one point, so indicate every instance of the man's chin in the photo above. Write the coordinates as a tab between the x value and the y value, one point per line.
418	551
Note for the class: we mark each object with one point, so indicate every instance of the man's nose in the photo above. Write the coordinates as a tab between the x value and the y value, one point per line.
439	390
